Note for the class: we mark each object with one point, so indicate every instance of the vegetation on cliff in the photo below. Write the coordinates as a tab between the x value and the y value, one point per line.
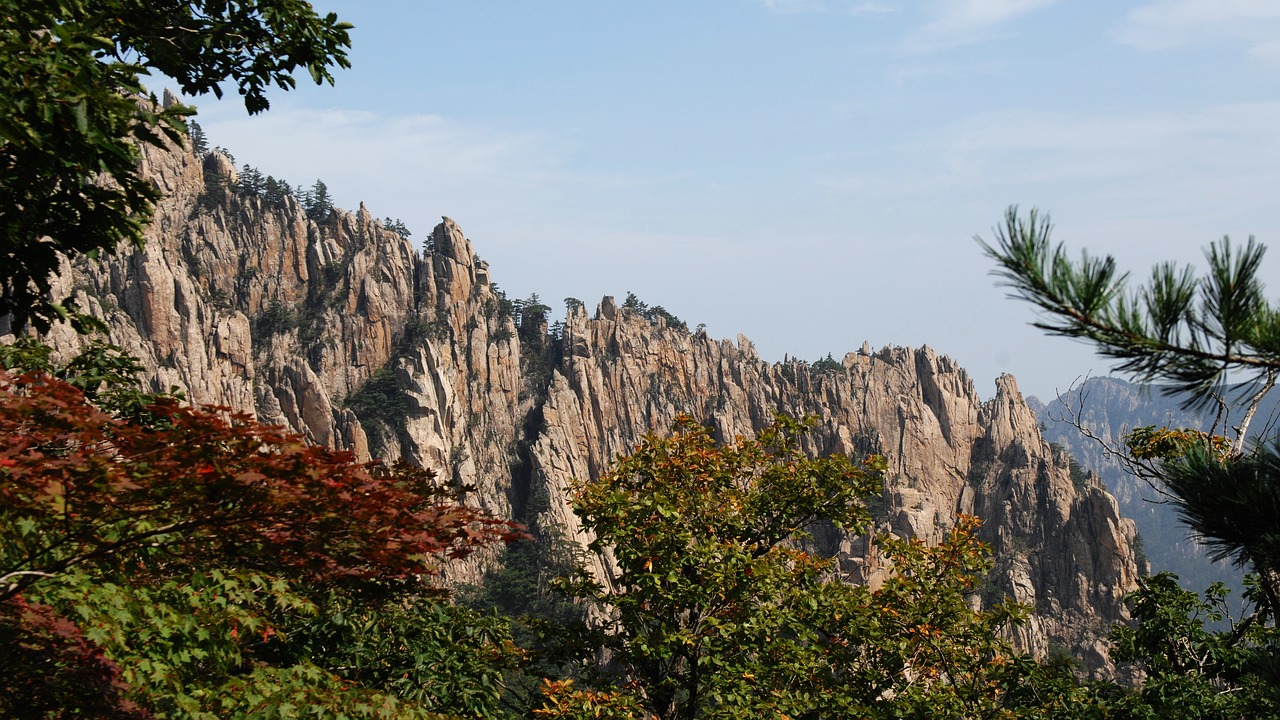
161	560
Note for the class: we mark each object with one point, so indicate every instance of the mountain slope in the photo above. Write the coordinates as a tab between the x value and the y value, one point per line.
341	330
1110	407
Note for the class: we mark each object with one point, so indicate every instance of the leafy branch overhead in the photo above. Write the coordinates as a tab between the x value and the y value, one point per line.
74	112
1180	327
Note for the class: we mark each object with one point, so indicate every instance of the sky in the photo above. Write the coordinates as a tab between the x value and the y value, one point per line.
808	173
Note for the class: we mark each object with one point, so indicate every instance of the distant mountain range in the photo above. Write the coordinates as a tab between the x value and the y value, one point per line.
1110	407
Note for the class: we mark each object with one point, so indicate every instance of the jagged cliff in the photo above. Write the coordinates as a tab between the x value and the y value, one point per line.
342	331
1110	407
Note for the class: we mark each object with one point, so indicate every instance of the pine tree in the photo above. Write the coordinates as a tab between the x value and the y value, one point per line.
398	227
250	183
274	191
317	201
199	142
1199	336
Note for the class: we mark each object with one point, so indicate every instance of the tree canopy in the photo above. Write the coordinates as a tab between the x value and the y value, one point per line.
194	563
74	111
714	608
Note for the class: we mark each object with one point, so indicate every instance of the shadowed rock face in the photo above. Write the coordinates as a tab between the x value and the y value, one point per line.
1110	407
342	331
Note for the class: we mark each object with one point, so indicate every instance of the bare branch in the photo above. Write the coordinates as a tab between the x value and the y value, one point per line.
1243	429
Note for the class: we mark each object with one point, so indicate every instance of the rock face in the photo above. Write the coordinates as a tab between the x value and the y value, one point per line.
1110	407
340	330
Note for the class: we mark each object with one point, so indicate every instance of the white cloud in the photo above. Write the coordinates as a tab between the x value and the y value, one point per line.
1174	23
965	22
793	5
872	8
851	7
1219	163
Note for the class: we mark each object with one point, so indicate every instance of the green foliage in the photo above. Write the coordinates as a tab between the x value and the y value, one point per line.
535	308
398	227
26	354
199	141
275	191
439	656
75	112
827	364
635	305
706	585
275	319
382	407
551	630
1078	474
531	311
175	637
1193	672
920	623
1180	328
1233	504
156	569
250	181
317	202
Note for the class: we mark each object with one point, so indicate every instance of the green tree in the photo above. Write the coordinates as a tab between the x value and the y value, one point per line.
641	308
251	181
317	201
199	141
73	113
398	227
703	576
712	609
421	649
1196	335
275	191
1193	672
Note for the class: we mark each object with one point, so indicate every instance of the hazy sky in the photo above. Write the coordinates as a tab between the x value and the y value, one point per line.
810	173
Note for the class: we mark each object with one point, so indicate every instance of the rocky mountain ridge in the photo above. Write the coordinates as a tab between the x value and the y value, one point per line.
1109	408
340	329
